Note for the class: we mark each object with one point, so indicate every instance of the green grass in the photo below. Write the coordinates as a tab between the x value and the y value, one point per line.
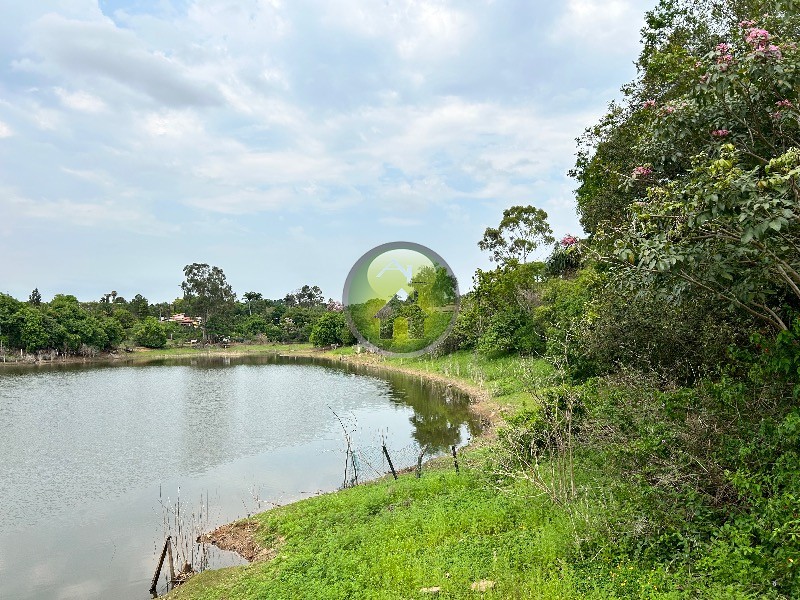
508	378
391	538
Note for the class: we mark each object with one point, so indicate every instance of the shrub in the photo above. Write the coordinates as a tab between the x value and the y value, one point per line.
330	329
151	334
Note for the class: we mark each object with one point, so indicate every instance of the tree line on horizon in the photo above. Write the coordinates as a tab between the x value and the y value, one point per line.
67	326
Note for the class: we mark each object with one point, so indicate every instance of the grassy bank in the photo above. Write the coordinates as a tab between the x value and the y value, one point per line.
628	507
447	530
392	539
232	350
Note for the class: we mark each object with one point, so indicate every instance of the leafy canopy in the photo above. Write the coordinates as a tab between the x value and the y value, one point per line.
522	230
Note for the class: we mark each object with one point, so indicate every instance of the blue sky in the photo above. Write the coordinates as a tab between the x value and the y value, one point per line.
282	140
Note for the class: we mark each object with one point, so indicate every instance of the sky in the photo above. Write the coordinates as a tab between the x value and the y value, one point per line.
280	141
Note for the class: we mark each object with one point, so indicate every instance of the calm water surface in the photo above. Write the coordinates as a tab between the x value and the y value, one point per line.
98	464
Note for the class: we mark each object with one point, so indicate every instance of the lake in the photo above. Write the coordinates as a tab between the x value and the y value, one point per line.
99	463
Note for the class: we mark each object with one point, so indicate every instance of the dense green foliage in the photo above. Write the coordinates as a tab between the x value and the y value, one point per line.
331	330
151	334
64	326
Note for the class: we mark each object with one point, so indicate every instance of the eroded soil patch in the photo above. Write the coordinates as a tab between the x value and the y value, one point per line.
239	537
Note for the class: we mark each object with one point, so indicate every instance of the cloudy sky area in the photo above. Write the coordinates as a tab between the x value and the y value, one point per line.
282	140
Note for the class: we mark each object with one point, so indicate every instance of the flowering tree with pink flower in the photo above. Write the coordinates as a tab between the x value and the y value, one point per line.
692	184
566	256
723	215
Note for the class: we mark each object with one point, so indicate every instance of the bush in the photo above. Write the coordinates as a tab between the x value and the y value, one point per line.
511	330
151	334
565	258
681	343
330	329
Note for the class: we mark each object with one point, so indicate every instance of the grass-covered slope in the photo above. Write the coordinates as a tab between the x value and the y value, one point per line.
662	497
391	539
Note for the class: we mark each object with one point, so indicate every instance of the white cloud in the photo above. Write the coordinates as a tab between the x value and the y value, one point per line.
46	118
97	51
349	116
96	177
175	124
611	26
87	214
81	101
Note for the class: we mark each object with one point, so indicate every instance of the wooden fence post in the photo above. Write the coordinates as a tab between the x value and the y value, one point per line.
388	458
154	584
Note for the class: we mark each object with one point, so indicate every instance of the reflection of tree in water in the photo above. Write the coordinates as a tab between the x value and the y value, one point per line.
208	398
439	411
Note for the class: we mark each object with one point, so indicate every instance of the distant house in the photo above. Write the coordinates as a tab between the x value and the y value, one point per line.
182	319
396	308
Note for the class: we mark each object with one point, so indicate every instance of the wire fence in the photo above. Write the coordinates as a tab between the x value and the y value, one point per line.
186	523
372	461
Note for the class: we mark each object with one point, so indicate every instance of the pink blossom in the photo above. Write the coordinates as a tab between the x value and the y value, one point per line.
649	104
725	58
773	51
776	116
723	48
569	240
757	37
641	172
746	24
784	103
720	132
704	78
669	109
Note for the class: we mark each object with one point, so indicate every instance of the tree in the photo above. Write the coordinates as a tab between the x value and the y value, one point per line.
306	297
151	334
114	331
677	35
124	317
35	298
206	291
139	306
435	286
251	297
33	332
331	328
76	327
726	224
252	326
521	231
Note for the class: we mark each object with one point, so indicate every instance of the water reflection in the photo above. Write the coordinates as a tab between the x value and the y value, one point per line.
87	452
